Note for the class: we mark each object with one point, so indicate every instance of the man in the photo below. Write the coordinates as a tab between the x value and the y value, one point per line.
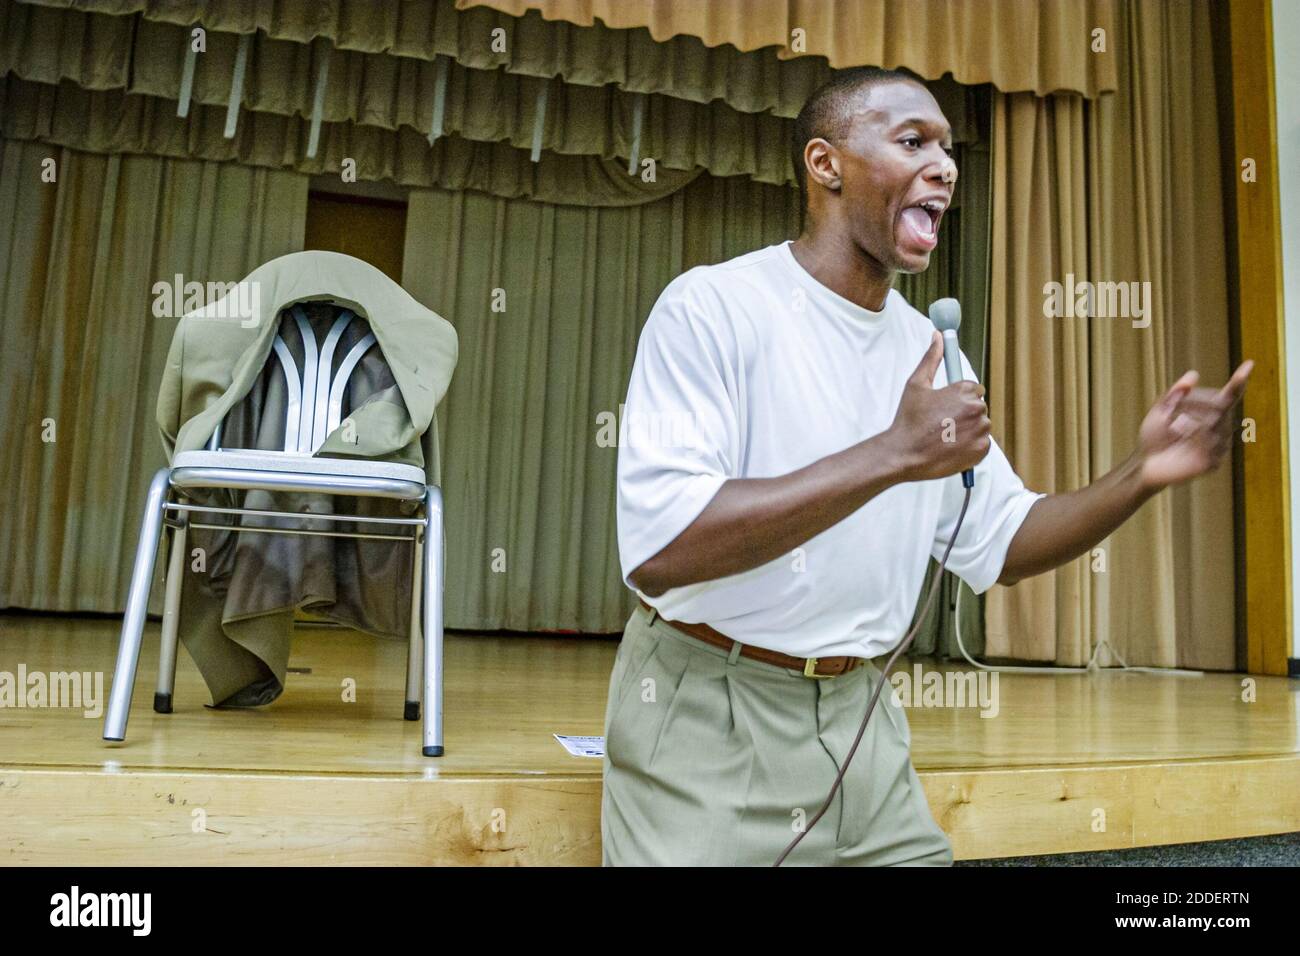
787	473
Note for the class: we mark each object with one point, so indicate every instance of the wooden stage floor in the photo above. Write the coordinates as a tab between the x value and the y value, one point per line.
1069	762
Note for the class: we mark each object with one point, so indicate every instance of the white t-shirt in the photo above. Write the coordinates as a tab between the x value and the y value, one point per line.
752	368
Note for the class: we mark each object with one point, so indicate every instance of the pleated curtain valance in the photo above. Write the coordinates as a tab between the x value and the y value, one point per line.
1042	46
728	46
414	30
113	122
556	92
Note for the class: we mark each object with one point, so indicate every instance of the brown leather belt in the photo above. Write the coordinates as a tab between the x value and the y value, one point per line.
815	667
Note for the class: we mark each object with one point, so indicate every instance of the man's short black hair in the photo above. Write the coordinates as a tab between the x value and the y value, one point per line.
826	116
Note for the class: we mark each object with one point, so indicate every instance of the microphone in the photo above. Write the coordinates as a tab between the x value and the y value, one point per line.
946	316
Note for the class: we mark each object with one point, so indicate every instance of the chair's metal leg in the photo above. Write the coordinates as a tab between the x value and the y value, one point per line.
162	698
137	603
415	651
433	576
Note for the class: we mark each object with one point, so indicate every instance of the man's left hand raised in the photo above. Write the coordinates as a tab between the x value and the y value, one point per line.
1190	430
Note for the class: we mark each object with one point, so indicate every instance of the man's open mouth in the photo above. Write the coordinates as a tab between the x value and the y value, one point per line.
921	221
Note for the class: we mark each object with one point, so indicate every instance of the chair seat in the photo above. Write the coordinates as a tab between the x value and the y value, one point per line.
286	471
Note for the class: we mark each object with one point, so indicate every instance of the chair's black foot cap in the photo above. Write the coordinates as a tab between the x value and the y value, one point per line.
412	711
116	740
162	703
432	751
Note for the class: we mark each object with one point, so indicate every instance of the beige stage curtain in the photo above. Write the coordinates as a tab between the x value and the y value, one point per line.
380	104
381	56
1127	188
83	354
528	429
526	466
1041	46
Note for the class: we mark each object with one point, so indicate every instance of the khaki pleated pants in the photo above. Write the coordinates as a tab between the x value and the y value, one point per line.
713	759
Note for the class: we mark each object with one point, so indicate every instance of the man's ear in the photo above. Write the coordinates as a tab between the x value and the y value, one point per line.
822	163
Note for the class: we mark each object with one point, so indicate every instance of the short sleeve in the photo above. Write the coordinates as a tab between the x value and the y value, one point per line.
999	504
679	431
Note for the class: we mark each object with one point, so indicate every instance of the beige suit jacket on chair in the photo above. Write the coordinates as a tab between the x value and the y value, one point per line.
240	592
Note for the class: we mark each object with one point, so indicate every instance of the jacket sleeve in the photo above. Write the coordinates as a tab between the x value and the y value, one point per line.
168	412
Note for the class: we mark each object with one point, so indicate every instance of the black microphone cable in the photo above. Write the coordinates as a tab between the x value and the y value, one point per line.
884	679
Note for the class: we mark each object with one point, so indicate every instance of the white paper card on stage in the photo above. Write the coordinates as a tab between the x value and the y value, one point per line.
582	746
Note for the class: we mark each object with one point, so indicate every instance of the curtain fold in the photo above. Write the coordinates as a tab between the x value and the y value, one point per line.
529	428
1123	189
1039	367
83	352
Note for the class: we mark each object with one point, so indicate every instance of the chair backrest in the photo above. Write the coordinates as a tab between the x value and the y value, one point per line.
314	404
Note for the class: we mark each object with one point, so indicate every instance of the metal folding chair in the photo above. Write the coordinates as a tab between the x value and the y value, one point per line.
314	410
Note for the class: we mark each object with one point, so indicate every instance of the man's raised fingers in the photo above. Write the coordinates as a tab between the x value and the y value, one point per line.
1174	397
1207	401
1236	386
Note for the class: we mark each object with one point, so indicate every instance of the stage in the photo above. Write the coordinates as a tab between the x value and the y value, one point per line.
1069	763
